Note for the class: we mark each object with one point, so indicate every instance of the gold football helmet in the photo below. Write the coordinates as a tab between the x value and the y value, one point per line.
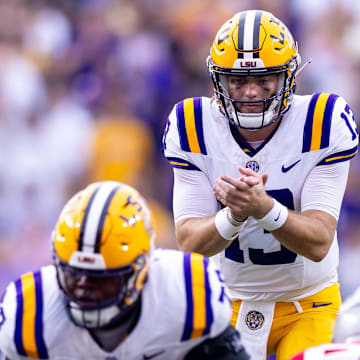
101	246
254	43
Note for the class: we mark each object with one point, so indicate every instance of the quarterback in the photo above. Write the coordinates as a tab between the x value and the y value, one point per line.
259	178
110	295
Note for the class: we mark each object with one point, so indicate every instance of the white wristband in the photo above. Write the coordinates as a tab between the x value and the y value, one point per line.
226	229
275	218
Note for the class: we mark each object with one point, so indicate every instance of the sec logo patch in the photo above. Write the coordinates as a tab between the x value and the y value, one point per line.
253	165
254	320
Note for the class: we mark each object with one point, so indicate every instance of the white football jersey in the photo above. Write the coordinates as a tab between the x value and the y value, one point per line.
330	352
184	302
317	130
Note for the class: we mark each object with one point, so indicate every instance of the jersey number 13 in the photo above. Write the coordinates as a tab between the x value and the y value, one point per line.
258	256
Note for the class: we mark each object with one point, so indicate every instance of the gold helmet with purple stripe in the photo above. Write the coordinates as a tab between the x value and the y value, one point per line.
101	245
254	43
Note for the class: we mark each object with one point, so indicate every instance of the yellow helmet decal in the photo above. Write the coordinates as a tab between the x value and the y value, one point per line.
125	229
255	37
68	227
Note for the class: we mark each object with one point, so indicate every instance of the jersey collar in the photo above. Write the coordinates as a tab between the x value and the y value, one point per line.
245	146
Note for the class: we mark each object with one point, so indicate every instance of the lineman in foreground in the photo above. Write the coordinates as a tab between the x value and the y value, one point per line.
111	295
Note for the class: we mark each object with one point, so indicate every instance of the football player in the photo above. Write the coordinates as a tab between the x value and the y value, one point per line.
110	295
346	338
259	178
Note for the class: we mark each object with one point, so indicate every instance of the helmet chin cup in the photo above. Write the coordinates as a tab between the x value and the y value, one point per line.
92	319
254	121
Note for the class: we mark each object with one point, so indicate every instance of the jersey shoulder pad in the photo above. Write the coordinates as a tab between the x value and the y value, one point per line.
194	289
22	317
184	132
208	305
344	135
330	126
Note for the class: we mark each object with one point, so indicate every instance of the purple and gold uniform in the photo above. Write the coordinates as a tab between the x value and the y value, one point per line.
283	302
184	302
111	295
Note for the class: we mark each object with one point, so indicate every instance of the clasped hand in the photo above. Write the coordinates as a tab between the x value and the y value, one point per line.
246	195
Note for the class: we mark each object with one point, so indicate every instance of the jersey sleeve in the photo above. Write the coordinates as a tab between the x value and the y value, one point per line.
183	138
324	188
8	308
185	148
341	131
208	305
21	330
193	195
330	131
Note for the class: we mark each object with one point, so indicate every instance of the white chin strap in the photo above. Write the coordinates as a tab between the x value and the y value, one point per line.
92	318
252	120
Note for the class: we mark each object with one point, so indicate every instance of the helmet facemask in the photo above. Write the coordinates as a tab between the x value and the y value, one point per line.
273	107
117	292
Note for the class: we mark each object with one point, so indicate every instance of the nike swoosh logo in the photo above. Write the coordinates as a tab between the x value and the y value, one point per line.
286	169
147	357
277	218
316	305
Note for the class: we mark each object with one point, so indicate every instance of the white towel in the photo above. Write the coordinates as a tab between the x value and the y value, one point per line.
254	324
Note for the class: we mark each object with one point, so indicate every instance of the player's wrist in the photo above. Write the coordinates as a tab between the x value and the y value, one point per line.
266	205
234	219
226	228
275	218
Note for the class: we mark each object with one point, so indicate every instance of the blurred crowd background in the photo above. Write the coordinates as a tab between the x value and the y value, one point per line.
86	88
